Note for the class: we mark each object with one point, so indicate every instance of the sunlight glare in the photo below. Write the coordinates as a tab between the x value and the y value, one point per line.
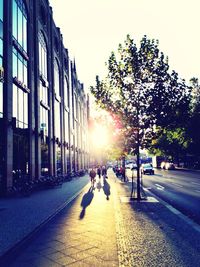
100	137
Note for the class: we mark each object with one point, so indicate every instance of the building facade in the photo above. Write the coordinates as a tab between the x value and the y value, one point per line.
43	107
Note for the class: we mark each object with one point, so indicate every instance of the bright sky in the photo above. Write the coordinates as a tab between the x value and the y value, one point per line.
91	29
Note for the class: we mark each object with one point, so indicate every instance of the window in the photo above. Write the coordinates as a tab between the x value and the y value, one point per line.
1	56
57	99
66	92
20	63
57	119
20	107
1	48
1	10
66	126
19	22
44	121
42	55
44	90
1	29
19	67
75	106
56	79
1	99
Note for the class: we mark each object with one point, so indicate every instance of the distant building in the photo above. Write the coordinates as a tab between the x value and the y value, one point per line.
43	107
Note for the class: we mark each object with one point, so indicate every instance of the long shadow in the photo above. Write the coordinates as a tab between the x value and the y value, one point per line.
86	200
99	186
106	189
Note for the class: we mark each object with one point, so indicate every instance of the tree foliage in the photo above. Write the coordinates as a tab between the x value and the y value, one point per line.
193	125
141	91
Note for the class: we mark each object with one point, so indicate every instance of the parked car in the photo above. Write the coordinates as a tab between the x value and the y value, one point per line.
147	168
162	164
169	166
131	166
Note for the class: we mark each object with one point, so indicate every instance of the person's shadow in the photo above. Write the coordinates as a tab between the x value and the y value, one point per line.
86	200
99	186
106	189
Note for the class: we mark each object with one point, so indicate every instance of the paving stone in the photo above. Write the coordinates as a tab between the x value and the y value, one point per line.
93	231
65	260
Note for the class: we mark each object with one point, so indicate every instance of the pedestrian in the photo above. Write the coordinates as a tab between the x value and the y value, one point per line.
99	171
92	174
104	172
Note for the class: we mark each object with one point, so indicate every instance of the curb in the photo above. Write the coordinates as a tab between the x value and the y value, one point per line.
175	211
186	219
8	256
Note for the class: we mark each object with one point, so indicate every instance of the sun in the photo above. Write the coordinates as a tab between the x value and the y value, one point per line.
100	137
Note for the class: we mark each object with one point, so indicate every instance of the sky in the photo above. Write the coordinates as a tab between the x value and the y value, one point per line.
92	29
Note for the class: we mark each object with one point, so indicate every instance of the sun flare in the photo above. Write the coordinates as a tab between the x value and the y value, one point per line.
100	137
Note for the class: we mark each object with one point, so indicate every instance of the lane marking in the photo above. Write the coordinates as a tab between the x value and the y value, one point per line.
195	183
189	221
159	187
178	185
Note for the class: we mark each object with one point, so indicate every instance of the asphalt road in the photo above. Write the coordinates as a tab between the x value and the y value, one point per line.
181	189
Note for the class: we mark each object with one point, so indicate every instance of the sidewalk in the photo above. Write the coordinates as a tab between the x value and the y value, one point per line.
20	216
101	227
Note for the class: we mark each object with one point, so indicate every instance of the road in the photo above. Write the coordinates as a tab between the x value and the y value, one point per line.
181	189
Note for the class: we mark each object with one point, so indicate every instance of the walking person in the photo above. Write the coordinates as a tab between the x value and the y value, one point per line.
104	172
99	172
92	174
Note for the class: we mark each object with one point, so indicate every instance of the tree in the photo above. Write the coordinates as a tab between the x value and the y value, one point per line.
142	92
193	126
172	144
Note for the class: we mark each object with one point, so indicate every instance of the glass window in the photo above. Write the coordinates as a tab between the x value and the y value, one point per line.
14	65
20	27
1	47
66	93
56	78
15	101
42	55
20	71
1	10
1	99
21	105
25	76
75	106
40	59
14	19
66	126
25	110
44	120
25	34
57	119
1	29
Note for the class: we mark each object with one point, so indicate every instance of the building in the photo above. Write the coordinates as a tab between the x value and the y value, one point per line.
43	107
